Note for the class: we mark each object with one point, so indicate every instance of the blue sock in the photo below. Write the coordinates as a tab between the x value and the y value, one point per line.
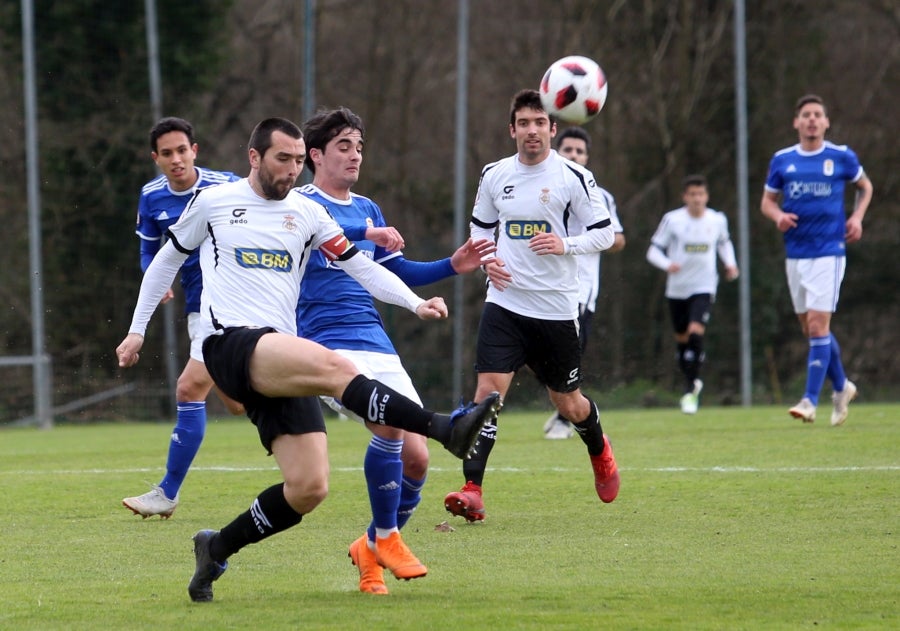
817	366
410	496
190	426
836	367
384	470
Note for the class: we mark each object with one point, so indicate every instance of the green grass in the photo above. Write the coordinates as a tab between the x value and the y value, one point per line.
733	519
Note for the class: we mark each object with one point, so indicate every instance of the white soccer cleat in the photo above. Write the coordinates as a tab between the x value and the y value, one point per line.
559	430
689	403
805	410
153	502
841	402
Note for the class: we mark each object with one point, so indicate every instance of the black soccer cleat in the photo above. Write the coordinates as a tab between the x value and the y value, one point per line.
208	570
466	423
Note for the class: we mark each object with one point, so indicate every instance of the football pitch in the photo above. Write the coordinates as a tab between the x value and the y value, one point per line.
732	519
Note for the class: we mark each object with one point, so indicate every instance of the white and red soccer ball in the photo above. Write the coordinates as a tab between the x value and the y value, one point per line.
573	89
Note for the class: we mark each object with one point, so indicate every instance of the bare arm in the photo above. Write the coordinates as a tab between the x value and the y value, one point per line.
770	208
864	192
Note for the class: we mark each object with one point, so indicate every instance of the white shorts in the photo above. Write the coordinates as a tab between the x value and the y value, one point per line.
815	283
199	328
381	366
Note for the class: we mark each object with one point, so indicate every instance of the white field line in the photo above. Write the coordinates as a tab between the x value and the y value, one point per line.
714	469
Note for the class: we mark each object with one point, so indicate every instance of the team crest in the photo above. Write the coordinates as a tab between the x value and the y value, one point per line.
828	167
369	222
544	197
288	223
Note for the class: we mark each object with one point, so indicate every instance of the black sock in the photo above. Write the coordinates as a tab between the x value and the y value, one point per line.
474	467
378	403
590	431
695	346
269	514
683	363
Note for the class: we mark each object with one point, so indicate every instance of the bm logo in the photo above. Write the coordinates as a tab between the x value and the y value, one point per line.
526	229
253	258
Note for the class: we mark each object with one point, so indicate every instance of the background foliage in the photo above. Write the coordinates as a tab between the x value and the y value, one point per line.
670	65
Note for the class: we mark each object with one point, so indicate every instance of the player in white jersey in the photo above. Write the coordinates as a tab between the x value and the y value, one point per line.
527	202
809	179
574	143
255	236
335	311
162	201
685	246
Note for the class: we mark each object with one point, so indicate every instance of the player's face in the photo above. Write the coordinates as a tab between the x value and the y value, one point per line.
811	122
575	149
337	166
532	132
175	157
695	198
277	171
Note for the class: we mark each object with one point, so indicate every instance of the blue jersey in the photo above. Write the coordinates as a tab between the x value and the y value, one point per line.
812	187
158	208
336	311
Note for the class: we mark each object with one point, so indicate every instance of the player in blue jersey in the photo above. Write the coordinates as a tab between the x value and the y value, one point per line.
808	179
337	312
162	201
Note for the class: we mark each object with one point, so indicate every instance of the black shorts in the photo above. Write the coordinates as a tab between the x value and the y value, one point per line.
227	358
507	341
697	308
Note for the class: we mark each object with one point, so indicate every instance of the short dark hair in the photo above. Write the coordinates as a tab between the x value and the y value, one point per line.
324	126
167	125
530	99
695	179
806	99
577	133
261	138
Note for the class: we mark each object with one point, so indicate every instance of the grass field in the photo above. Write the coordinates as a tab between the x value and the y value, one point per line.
732	519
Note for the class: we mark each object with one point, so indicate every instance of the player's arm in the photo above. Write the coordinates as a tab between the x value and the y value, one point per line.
657	257
156	282
864	190
771	209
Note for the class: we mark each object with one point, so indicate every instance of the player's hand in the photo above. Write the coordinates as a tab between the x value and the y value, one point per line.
496	272
545	243
786	221
854	230
127	351
169	295
470	255
432	309
731	273
674	268
389	238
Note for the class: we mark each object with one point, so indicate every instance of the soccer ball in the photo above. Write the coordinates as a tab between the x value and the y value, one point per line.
573	89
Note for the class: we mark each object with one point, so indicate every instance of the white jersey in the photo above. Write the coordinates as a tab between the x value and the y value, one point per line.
519	201
589	264
692	243
252	252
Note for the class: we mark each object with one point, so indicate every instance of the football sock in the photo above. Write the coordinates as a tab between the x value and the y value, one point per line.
817	366
389	407
410	496
384	470
682	362
836	367
190	426
269	514
590	431
695	351
474	467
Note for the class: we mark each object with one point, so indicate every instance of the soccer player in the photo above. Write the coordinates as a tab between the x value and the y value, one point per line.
530	318
337	312
174	150
685	246
255	237
809	180
574	143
